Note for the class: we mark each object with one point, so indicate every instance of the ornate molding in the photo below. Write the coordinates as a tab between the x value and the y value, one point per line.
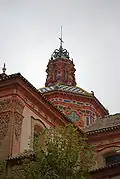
4	124
11	110
60	53
18	125
5	105
103	143
8	104
19	106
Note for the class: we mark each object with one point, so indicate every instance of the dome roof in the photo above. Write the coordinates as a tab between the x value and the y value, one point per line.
60	87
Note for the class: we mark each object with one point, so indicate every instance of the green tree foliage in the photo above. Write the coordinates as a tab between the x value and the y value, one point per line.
63	155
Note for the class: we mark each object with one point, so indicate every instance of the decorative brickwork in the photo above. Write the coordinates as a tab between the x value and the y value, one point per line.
83	110
11	118
60	68
18	119
4	123
5	105
19	106
18	125
5	126
60	71
5	114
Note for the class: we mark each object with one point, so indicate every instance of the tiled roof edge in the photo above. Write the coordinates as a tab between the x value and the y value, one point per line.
22	155
69	92
106	129
106	167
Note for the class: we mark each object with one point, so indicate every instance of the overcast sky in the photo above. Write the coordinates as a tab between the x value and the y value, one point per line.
29	32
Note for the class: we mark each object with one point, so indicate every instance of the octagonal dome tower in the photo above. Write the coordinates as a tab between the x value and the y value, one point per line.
80	106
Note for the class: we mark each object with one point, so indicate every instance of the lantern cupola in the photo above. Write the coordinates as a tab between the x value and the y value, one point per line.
60	68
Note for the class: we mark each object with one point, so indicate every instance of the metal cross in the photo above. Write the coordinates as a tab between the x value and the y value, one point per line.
61	41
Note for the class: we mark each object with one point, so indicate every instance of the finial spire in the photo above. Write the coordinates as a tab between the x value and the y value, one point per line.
60	53
61	41
4	69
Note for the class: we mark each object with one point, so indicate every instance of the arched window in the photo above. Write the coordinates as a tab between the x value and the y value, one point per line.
55	75
112	158
87	121
37	130
37	127
64	75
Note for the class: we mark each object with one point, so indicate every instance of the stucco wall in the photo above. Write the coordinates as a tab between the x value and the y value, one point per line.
26	134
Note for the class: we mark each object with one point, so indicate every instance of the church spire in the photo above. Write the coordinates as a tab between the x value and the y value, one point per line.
60	53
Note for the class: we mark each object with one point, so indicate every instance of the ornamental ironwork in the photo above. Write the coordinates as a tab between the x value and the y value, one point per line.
60	53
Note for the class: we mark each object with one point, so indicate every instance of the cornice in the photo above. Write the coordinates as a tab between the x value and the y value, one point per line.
16	80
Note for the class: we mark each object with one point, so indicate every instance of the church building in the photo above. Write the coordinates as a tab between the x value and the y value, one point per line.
25	111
